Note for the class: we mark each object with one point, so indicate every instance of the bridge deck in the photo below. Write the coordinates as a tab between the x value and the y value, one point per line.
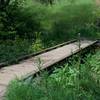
29	66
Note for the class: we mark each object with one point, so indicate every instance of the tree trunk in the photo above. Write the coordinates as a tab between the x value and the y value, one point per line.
51	2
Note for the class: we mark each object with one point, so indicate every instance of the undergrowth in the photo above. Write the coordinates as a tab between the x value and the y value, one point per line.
67	82
11	51
57	23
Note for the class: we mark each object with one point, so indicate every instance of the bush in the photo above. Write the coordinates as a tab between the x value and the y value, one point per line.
63	84
75	18
66	19
22	20
11	50
57	23
62	20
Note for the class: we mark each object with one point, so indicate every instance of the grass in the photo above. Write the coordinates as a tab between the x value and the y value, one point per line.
67	82
57	24
11	50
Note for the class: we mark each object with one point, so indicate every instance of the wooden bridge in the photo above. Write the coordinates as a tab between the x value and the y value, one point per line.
30	66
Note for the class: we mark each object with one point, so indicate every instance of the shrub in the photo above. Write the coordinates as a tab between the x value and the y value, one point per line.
10	50
65	19
22	20
62	20
73	19
64	83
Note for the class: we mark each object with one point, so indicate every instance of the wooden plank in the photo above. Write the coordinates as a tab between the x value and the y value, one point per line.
30	66
3	64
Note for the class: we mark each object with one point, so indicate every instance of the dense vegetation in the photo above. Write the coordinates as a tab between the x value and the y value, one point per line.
28	26
73	81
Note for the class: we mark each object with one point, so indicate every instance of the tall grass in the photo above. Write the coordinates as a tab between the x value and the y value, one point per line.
65	19
58	23
62	20
62	84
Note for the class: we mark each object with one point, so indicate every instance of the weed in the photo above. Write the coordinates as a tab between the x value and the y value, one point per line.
62	83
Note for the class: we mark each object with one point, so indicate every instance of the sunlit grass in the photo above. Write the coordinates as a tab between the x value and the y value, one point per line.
64	83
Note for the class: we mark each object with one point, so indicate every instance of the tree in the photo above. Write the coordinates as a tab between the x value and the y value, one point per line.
51	1
3	4
47	1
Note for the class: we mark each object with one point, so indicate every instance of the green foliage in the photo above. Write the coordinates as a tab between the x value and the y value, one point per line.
63	84
4	4
62	20
57	23
21	20
37	45
10	50
46	1
73	19
66	19
9	18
